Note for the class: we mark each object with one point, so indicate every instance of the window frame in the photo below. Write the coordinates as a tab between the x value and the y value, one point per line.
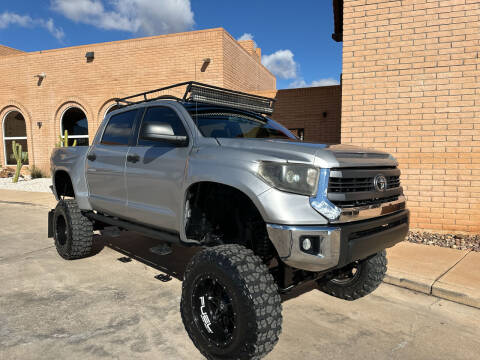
70	136
131	138
142	118
7	138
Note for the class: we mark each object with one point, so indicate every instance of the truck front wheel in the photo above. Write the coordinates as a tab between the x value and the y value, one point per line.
73	232
230	304
357	279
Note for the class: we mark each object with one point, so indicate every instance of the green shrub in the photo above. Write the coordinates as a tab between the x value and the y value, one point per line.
36	173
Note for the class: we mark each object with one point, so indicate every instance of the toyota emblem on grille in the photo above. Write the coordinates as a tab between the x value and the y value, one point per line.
380	182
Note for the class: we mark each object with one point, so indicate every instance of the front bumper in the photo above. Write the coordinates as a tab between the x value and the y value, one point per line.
338	245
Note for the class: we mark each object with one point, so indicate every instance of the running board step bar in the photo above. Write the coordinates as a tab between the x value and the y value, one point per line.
151	232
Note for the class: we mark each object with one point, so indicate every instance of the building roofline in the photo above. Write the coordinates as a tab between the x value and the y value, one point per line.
311	88
11	48
219	29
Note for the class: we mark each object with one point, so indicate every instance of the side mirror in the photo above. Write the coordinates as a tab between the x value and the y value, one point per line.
162	132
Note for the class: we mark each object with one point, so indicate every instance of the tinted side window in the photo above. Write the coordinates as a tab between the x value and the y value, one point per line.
119	128
161	115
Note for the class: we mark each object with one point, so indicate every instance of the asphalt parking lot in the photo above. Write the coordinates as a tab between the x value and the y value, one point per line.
103	308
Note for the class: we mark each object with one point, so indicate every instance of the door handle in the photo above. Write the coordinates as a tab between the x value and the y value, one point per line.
92	157
133	158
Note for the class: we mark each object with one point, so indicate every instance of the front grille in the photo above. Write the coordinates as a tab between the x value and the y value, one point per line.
355	187
357	203
343	185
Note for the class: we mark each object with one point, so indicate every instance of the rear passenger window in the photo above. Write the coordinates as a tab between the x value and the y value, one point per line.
119	129
161	115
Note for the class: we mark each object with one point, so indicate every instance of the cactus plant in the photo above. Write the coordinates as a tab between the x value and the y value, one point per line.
63	141
21	157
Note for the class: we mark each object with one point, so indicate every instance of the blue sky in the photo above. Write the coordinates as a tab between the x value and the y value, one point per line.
295	39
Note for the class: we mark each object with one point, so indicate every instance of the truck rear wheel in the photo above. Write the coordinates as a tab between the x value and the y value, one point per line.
73	232
230	304
358	279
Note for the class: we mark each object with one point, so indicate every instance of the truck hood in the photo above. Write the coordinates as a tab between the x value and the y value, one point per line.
321	155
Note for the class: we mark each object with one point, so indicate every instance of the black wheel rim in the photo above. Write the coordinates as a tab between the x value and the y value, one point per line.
349	274
213	311
61	230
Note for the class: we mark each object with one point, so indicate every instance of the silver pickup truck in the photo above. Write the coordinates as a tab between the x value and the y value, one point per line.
266	210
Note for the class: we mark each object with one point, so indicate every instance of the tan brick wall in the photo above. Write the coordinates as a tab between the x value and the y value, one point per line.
242	68
317	110
7	51
411	86
249	45
119	69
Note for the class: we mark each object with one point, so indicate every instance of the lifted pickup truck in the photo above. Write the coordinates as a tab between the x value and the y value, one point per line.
269	211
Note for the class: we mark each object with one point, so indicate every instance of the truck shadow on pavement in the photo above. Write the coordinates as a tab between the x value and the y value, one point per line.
136	246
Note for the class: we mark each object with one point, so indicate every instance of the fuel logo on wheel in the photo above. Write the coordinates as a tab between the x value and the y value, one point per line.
205	319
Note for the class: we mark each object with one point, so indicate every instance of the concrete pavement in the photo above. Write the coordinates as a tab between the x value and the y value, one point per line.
100	307
27	198
462	282
445	273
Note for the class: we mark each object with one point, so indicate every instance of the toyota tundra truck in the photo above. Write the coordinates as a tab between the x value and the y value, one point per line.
266	210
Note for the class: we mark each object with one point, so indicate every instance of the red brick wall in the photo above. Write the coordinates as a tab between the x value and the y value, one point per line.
119	69
411	86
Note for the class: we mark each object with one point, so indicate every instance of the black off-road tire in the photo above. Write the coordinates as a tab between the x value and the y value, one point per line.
73	232
254	299
369	275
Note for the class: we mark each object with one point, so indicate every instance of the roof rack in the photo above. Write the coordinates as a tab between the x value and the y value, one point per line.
204	93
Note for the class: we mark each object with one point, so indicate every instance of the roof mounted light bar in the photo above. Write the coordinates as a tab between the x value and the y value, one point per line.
218	96
206	94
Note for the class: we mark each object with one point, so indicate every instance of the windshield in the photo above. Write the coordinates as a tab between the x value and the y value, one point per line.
236	125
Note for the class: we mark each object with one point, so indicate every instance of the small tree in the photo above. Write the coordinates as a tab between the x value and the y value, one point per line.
64	141
21	157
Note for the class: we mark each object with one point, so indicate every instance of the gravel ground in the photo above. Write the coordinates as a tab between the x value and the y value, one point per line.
39	185
454	241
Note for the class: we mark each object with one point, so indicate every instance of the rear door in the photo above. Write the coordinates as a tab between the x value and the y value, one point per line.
106	165
155	173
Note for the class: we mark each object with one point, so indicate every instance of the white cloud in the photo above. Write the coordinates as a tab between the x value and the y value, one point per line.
281	64
56	32
325	82
300	82
247	36
8	18
148	17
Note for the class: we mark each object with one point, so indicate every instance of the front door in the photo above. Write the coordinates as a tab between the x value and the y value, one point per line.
155	173
106	165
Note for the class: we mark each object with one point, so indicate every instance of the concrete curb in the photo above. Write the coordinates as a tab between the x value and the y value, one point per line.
441	272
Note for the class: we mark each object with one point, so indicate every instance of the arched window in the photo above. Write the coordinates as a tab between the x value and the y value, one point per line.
75	122
14	129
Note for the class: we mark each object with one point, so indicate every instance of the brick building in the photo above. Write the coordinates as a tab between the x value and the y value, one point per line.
313	114
42	93
411	86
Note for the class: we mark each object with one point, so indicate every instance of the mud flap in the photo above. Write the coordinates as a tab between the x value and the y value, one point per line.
50	223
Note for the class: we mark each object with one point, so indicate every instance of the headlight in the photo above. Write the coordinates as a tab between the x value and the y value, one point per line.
295	178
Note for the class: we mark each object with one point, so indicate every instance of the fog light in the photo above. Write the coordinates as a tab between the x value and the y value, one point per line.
306	244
